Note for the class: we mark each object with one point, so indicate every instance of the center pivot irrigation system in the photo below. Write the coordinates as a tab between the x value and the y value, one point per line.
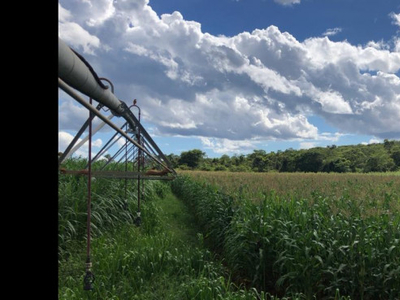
77	77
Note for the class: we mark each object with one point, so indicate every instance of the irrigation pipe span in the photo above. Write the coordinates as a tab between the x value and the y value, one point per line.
76	74
91	108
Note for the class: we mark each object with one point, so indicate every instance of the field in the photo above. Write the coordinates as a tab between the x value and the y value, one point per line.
164	258
375	194
314	234
221	235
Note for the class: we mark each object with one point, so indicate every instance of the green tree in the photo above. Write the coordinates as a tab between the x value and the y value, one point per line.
173	159
310	161
337	164
274	161
288	161
239	160
225	160
388	144
258	160
395	155
192	158
380	161
356	157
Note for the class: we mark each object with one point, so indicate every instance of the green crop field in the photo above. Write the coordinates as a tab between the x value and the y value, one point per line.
314	234
221	235
164	258
374	193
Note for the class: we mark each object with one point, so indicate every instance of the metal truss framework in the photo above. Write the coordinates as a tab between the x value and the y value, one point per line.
77	77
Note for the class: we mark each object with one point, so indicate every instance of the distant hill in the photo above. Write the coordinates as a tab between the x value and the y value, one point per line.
379	157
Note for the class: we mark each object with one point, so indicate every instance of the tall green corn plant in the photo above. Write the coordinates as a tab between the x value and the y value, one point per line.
71	210
213	210
322	246
217	210
246	249
113	203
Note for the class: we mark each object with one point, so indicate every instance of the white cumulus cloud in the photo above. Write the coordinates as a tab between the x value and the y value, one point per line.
65	138
74	34
396	18
256	85
396	21
224	146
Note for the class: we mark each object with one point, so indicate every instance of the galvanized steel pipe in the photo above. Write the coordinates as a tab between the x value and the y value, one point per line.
66	88
73	71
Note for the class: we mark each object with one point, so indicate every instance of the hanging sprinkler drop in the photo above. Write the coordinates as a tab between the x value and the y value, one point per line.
89	277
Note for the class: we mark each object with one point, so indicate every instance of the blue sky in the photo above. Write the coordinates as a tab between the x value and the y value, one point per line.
360	20
231	76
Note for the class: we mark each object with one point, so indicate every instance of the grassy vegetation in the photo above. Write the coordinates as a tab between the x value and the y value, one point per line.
287	237
164	258
301	233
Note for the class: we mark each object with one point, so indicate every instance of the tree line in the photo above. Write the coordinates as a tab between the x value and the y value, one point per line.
378	157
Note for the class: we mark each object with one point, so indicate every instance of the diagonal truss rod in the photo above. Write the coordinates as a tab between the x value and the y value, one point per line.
70	91
148	138
76	74
68	151
107	146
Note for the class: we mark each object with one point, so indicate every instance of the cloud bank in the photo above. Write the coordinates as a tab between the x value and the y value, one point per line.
258	85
